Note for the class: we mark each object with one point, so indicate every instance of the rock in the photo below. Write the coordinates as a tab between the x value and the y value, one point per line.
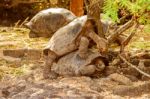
105	83
124	90
121	79
132	78
132	90
17	53
33	54
110	70
129	71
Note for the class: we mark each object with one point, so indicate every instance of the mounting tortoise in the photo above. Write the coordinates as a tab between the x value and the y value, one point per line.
47	22
72	36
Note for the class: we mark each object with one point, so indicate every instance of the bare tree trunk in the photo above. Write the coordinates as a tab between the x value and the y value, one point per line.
93	8
76	6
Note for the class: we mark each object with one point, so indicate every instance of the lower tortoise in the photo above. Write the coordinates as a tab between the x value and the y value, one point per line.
73	65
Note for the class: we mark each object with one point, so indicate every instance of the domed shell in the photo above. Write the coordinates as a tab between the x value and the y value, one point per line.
64	40
71	63
48	21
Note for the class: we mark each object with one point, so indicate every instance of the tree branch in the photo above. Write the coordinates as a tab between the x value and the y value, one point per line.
123	28
127	40
133	66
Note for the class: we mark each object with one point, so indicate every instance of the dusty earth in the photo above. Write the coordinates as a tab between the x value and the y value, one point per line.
21	75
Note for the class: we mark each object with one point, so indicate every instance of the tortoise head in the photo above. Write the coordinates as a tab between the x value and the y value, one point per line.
32	34
36	31
28	25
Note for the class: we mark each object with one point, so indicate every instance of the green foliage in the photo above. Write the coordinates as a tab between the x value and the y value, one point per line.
138	8
110	9
147	28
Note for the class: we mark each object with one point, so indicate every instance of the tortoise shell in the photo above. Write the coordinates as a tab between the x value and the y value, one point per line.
64	40
47	22
70	64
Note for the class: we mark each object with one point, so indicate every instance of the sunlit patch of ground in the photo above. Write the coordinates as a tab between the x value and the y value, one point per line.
16	38
141	40
13	38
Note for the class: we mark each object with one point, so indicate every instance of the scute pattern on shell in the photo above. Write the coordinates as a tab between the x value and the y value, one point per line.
70	64
64	40
47	22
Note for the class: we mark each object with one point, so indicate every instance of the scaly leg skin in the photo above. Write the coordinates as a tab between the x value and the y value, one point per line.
100	28
51	56
101	42
87	70
83	47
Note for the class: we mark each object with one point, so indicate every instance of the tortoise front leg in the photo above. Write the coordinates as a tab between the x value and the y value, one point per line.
101	42
83	47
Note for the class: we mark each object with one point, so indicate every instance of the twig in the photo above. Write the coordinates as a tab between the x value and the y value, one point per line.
113	37
133	66
87	4
144	54
23	22
123	18
17	23
127	40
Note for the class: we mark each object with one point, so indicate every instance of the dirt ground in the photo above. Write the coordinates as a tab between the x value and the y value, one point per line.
21	76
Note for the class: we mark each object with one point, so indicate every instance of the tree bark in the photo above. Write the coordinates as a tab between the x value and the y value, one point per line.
76	6
93	8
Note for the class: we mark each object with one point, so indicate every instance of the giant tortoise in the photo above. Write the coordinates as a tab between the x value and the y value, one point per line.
48	21
73	65
72	36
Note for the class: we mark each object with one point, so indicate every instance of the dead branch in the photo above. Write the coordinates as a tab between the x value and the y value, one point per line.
123	19
142	55
133	66
123	28
24	22
127	40
86	4
76	6
17	23
93	8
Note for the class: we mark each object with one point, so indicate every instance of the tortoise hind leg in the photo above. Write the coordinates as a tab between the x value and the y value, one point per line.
83	47
49	59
